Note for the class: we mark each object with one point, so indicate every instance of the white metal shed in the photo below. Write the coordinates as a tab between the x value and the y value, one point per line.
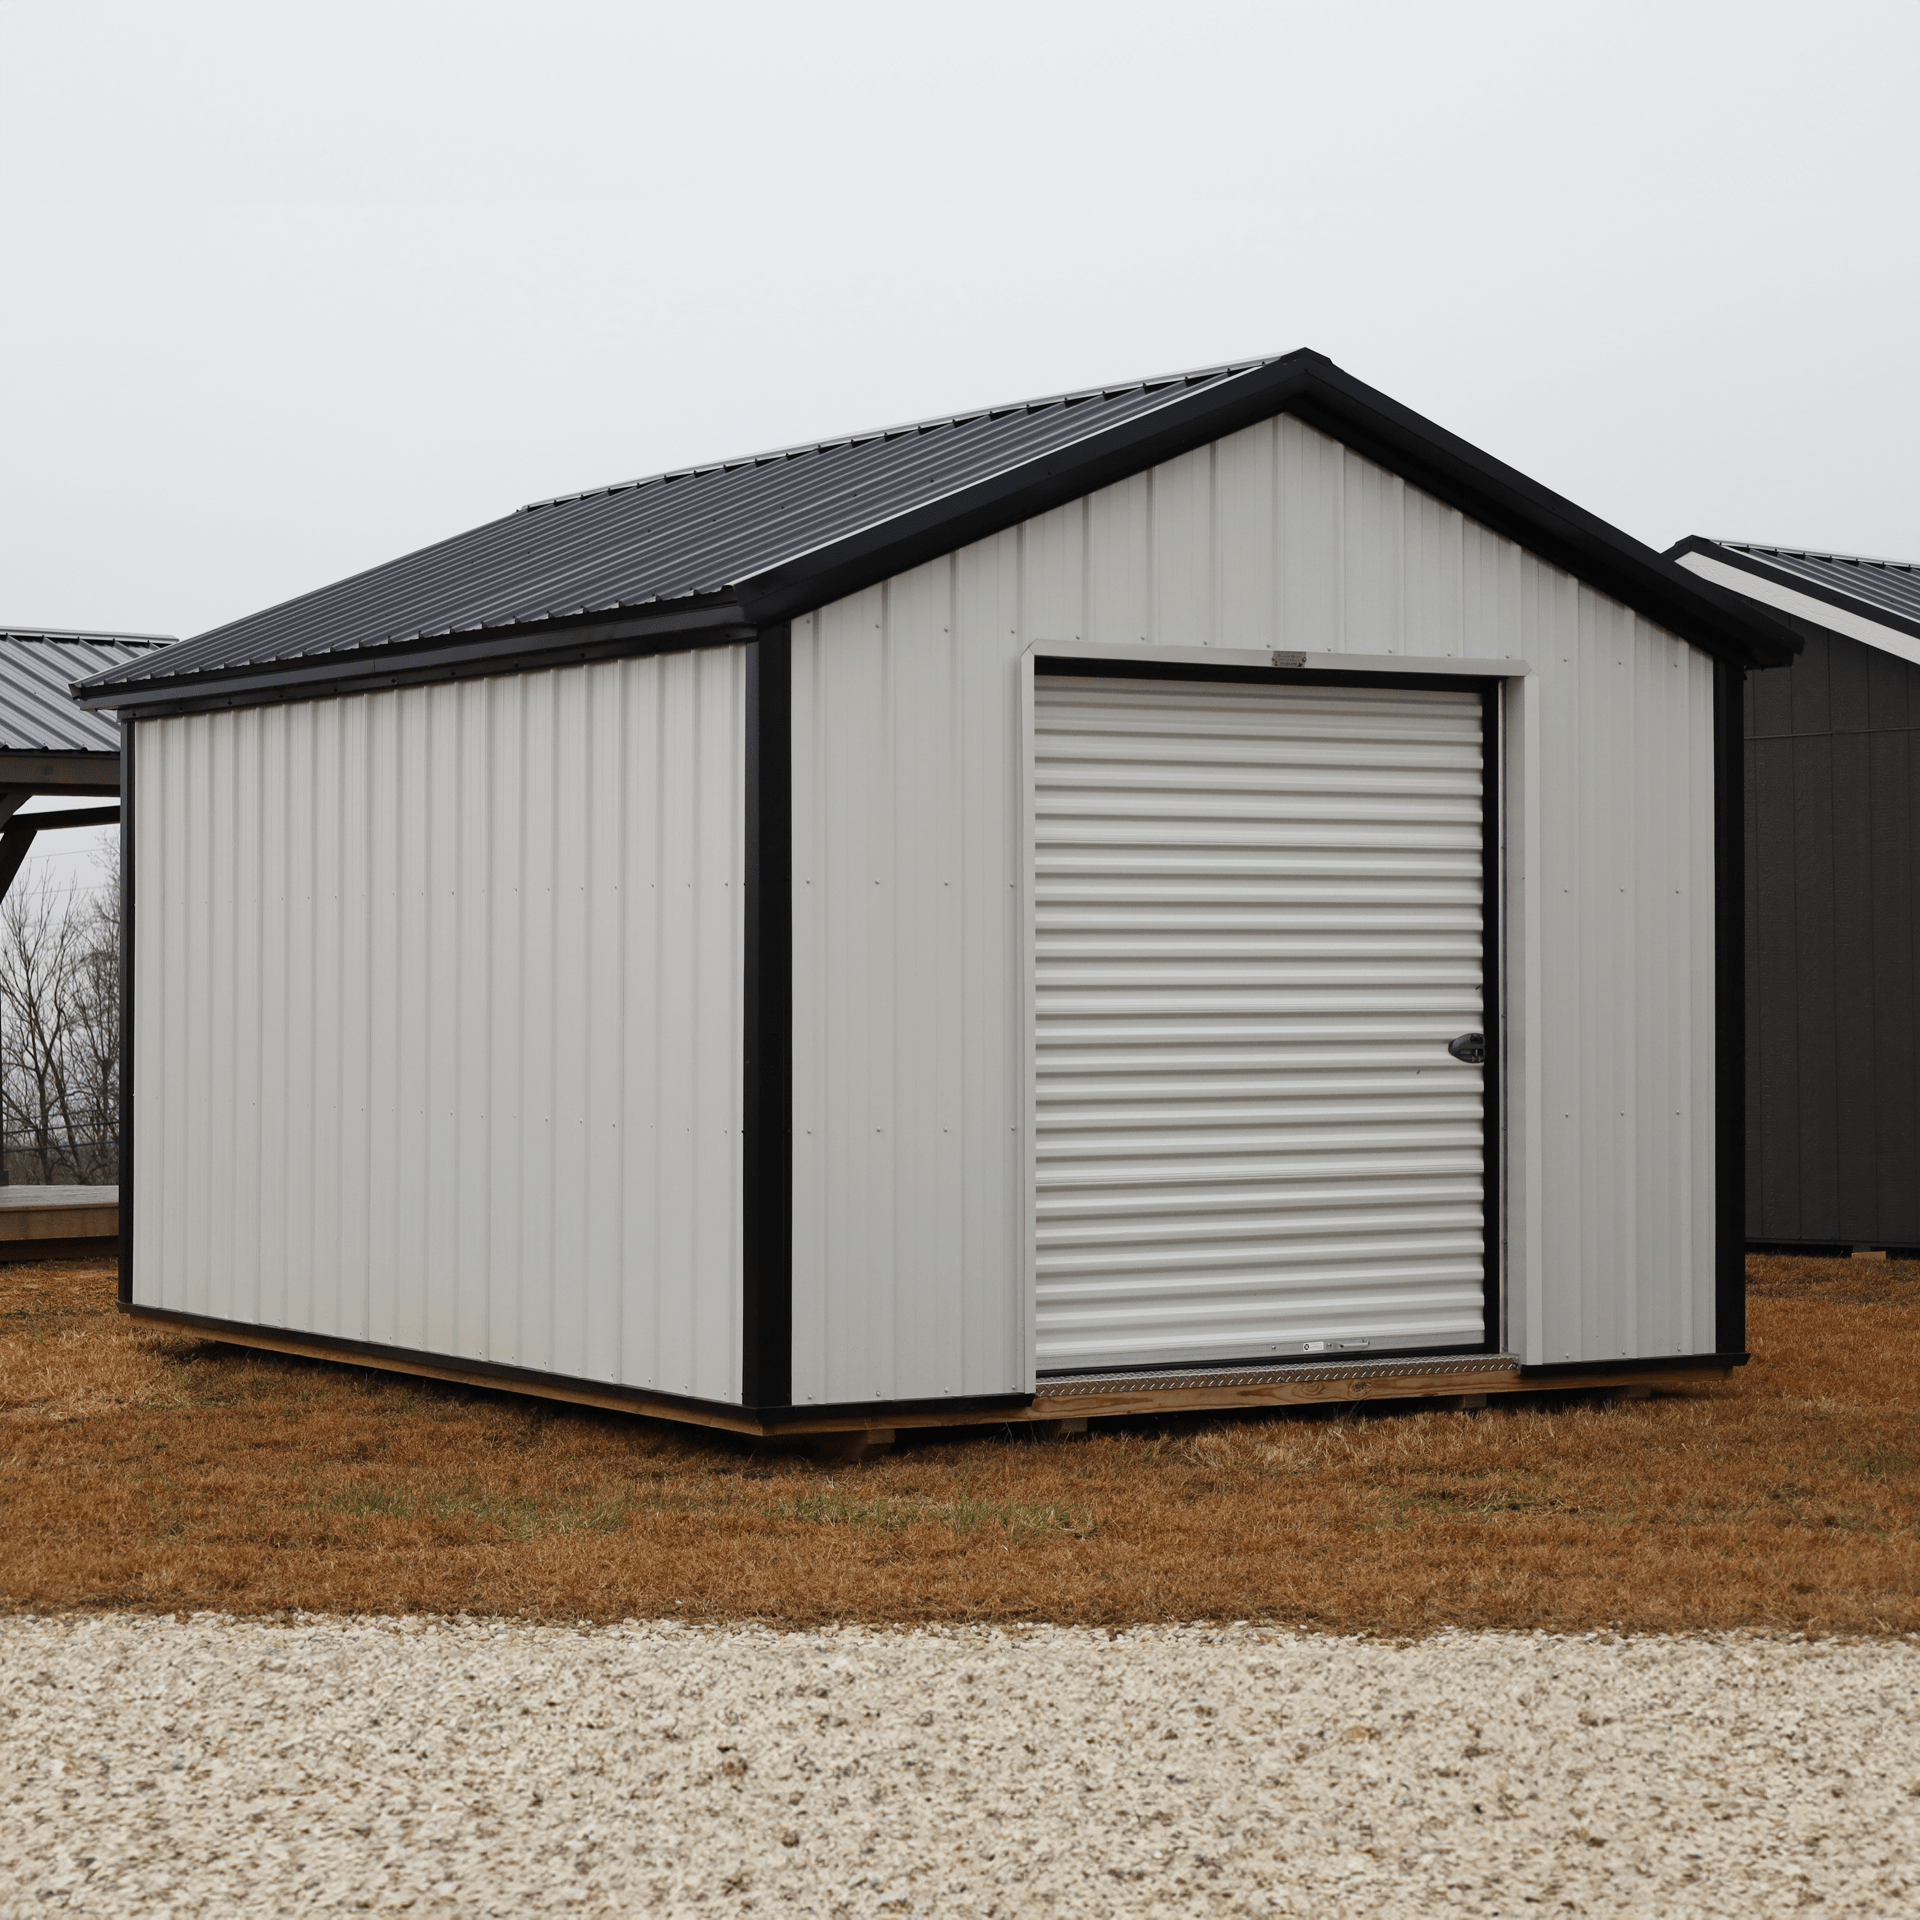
961	923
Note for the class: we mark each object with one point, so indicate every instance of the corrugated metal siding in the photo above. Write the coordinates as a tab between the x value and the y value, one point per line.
1258	922
906	723
1833	949
906	1015
440	1015
1610	1056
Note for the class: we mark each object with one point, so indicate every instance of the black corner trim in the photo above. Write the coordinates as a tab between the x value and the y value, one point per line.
766	1188
1576	1370
1729	1012
126	1012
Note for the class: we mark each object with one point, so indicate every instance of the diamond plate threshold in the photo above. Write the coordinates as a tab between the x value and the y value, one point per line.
1467	1379
1177	1378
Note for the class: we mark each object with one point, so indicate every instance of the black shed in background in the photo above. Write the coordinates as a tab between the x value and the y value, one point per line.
1833	901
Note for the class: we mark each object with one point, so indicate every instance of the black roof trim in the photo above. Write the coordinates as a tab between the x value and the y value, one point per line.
427	662
1743	558
1309	386
853	512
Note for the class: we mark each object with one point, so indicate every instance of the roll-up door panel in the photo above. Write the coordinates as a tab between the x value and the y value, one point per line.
1258	924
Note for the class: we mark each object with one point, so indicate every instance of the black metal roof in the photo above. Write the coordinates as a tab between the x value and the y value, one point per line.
743	543
1884	591
37	667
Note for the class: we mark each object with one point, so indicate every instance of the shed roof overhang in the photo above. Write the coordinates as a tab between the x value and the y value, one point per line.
1806	604
1728	625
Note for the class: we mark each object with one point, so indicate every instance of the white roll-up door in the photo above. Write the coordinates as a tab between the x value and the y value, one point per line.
1258	918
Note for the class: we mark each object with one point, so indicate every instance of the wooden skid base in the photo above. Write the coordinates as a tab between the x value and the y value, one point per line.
15	1253
1065	1409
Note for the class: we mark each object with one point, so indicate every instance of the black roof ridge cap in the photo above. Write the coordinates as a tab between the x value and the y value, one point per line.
1227	369
1753	565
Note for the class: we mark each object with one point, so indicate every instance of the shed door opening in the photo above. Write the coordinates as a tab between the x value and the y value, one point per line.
1259	923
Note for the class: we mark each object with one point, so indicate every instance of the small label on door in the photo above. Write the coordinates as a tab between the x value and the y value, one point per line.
1331	1346
1289	659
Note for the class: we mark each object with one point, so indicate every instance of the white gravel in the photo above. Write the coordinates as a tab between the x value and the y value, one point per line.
220	1767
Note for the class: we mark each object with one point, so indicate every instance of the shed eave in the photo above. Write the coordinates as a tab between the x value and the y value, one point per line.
526	646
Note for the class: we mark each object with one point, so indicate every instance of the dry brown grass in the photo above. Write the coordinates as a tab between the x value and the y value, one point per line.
146	1470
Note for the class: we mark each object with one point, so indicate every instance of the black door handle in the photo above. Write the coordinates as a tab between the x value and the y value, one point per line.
1470	1047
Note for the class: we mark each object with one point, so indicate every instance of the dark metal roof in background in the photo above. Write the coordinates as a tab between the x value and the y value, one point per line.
743	543
37	714
694	532
1893	586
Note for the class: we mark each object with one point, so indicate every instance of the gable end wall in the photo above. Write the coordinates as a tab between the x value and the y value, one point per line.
908	1227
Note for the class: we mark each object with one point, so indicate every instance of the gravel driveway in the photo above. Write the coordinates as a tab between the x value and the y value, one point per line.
218	1767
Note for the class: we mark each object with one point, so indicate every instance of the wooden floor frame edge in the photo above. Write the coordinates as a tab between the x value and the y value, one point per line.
1441	1383
21	1251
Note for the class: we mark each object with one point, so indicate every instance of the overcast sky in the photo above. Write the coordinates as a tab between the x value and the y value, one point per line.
293	288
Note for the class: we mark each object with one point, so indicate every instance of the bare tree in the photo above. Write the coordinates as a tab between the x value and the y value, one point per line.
60	1029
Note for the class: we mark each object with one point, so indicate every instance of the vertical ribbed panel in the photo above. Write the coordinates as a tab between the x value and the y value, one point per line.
439	1002
907	1265
1258	922
906	1014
